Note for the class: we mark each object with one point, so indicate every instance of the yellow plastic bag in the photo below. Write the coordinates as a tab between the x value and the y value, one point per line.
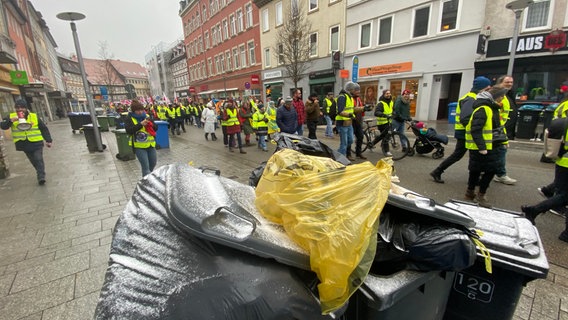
330	210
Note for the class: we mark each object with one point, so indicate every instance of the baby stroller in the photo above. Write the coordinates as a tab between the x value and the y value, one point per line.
427	140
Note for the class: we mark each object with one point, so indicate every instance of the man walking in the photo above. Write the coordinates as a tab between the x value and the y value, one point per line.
29	134
508	105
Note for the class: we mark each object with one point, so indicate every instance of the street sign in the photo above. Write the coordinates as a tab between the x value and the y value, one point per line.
247	85
355	69
254	79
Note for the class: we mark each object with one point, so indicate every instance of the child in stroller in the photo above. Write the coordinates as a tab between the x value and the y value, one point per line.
427	139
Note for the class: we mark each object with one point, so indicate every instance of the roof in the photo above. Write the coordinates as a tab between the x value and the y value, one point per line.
130	69
96	74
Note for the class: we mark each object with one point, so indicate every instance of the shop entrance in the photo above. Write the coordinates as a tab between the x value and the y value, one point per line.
321	89
397	86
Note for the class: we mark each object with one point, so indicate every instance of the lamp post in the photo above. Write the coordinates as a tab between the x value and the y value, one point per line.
75	16
517	7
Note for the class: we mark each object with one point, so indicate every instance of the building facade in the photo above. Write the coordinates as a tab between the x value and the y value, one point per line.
222	42
180	74
73	85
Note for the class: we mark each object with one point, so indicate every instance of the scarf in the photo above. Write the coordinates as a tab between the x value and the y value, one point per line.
138	117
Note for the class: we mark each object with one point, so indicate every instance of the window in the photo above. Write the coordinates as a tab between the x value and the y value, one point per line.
233	25
240	26
228	60
421	18
280	54
236	58
313	44
267	57
207	45
225	29
222	4
295	8
211	8
334	38
217	65
265	21
248	10
365	35
279	19
385	30
214	35
222	62
243	55
219	33
449	15
538	15
200	44
204	13
210	65
252	55
313	5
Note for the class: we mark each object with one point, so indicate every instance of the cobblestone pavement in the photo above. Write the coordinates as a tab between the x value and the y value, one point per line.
54	239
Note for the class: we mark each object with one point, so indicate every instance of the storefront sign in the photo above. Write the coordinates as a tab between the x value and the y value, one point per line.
555	40
254	79
19	77
386	69
273	74
204	87
344	73
322	74
192	90
525	45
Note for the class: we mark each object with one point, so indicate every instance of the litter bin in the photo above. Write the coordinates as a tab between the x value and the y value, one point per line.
528	120
111	118
89	132
103	122
452	107
547	116
517	257
125	152
162	135
78	119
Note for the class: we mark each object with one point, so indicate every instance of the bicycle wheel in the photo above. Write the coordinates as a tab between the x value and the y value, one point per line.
398	145
368	137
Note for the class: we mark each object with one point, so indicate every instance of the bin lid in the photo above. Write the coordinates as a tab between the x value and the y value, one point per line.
552	107
453	104
408	200
160	122
532	107
512	240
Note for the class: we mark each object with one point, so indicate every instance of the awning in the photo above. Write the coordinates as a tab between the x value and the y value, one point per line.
273	82
12	90
322	80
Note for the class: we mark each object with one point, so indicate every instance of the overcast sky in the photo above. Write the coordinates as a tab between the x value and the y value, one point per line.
130	27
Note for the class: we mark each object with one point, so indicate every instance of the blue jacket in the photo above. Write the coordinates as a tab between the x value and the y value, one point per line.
287	120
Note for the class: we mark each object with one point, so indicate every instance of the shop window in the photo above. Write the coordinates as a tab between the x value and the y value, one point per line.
449	15
385	30
537	15
365	35
421	22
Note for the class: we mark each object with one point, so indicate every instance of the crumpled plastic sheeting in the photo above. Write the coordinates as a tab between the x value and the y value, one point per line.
156	271
330	210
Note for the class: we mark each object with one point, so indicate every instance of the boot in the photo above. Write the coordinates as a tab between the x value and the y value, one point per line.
482	201
437	176
530	213
242	151
231	149
470	194
213	137
207	136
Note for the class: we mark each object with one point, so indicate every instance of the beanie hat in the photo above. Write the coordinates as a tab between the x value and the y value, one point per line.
21	103
420	125
564	88
406	92
480	83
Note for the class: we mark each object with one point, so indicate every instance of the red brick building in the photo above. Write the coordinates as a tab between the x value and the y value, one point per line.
222	39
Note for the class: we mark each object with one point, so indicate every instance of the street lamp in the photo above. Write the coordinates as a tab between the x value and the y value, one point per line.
75	16
517	6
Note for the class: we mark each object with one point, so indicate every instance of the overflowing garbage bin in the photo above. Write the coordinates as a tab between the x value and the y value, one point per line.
527	122
452	110
125	152
162	135
103	123
89	132
78	119
517	257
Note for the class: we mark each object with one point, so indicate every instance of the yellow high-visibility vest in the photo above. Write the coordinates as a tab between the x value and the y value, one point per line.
487	130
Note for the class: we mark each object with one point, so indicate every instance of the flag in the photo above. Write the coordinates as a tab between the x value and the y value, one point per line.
142	100
166	98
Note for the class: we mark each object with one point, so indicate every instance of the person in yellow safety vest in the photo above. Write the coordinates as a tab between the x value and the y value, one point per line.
233	126
260	125
483	152
463	113
162	112
345	116
556	193
171	112
383	112
29	134
180	114
142	133
197	115
562	109
329	113
508	105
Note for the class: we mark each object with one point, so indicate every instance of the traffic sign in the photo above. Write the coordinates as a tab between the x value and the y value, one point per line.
247	85
355	69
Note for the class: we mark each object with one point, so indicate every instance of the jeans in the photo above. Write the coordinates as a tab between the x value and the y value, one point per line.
501	171
262	141
560	197
358	132
300	130
346	138
456	156
399	126
36	158
232	140
329	126
147	158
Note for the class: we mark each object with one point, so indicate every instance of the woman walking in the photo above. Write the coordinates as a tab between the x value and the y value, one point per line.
142	133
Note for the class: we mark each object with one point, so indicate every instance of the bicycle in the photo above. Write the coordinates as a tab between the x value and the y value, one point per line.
395	140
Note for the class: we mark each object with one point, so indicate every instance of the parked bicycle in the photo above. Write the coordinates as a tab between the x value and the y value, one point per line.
398	143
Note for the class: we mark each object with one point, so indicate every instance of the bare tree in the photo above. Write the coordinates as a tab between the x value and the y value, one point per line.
293	45
108	75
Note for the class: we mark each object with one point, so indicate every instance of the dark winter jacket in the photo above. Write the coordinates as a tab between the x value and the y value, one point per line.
478	161
287	120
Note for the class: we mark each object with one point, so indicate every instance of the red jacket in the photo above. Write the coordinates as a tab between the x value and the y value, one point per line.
300	110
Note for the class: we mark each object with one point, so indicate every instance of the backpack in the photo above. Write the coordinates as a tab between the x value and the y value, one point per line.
554	139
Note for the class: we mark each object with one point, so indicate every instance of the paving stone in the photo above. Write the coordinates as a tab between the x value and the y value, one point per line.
50	271
36	299
35	316
100	256
71	233
78	309
30	263
104	241
90	280
48	249
6	283
93	218
76	249
546	304
92	236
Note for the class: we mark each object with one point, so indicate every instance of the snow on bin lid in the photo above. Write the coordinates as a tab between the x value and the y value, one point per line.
532	107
